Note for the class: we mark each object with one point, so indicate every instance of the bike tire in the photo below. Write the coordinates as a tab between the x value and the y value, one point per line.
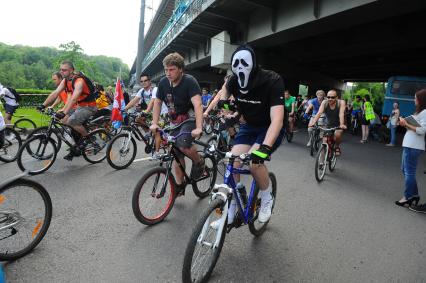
39	231
112	156
187	276
257	228
55	136
28	147
321	163
95	151
208	181
24	126
13	144
333	160
138	211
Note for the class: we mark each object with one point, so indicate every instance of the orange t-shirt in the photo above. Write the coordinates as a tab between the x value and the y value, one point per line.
63	96
84	93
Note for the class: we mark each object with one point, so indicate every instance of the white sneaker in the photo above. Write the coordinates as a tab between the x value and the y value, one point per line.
309	143
155	156
266	209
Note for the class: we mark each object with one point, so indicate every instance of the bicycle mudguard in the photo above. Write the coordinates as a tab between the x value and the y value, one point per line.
10	180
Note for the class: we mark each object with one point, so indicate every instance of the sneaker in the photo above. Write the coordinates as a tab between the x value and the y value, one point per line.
155	156
180	190
69	156
418	208
197	170
266	210
309	143
390	144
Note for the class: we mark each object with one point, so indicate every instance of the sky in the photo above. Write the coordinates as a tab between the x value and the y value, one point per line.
100	27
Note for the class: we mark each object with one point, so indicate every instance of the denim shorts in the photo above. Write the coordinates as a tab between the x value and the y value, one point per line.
251	135
9	109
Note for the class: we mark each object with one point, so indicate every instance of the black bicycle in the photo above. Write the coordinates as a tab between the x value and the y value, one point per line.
25	215
155	193
39	152
10	145
315	138
122	149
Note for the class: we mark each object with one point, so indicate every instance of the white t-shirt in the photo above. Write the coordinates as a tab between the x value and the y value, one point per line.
151	94
8	96
416	139
2	124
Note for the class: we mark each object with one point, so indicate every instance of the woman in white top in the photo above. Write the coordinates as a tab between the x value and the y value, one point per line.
394	122
413	145
2	127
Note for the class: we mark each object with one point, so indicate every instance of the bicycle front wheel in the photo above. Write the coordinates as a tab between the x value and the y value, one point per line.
25	214
153	196
37	154
121	151
203	186
257	228
321	163
95	150
201	253
54	136
12	143
24	127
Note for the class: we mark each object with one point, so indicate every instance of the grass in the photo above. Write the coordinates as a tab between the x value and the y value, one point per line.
30	113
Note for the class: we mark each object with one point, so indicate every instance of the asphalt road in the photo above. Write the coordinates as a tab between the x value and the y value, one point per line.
346	229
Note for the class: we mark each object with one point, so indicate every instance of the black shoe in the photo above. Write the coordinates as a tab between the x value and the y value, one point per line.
198	170
69	156
418	208
180	190
409	202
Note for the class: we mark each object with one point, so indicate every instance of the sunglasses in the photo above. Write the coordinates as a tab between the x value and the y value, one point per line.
331	97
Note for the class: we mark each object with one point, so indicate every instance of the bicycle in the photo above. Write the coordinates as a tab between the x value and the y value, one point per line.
122	149
326	154
25	215
315	139
207	238
41	149
11	144
355	121
156	189
24	126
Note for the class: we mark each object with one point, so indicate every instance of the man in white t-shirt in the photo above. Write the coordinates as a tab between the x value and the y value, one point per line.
10	105
145	98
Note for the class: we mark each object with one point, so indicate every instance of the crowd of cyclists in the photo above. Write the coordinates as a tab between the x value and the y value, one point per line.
254	107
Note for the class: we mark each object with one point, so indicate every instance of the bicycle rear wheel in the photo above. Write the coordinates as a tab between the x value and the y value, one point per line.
121	151
95	150
25	214
37	154
153	196
257	228
321	163
12	143
201	255
24	127
203	186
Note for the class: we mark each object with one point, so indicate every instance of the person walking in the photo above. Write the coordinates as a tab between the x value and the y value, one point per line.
413	145
368	114
394	122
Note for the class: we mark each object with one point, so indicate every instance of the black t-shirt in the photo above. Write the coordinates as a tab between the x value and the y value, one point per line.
178	98
267	91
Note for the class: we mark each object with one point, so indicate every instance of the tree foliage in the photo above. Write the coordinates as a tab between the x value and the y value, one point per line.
376	91
32	67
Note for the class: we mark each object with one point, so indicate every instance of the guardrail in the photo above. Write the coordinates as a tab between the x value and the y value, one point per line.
181	18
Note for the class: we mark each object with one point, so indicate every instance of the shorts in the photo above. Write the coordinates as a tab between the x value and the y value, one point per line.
355	113
364	121
184	141
9	109
81	115
251	135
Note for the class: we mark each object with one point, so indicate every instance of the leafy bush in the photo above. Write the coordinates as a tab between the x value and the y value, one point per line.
32	100
33	91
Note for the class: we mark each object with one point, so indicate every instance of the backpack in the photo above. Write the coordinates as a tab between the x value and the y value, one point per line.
143	103
94	93
16	95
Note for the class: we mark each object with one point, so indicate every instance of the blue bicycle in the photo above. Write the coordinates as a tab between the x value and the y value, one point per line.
207	239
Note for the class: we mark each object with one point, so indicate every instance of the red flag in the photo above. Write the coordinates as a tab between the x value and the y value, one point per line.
118	103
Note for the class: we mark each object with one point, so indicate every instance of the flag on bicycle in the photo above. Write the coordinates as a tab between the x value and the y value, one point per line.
118	105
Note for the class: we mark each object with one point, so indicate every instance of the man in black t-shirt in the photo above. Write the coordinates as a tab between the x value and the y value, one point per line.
259	99
182	95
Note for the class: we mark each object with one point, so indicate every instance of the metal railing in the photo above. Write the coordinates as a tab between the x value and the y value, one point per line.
182	16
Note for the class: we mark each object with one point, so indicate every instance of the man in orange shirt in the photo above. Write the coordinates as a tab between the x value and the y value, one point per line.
80	95
63	95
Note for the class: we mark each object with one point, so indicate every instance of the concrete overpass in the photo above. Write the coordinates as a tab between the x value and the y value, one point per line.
319	43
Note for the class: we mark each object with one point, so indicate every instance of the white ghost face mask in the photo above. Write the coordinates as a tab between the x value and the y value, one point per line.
242	66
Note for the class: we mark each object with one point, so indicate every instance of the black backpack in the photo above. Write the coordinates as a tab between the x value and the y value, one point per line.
94	93
16	95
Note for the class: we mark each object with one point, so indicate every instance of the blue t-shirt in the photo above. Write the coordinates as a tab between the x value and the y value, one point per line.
316	105
205	99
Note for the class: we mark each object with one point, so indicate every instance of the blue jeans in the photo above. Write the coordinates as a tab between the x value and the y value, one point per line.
410	156
393	134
